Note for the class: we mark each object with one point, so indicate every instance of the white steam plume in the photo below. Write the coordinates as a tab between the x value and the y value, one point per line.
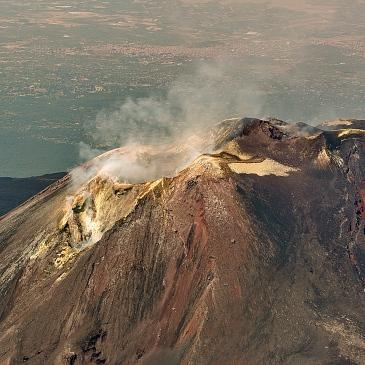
192	105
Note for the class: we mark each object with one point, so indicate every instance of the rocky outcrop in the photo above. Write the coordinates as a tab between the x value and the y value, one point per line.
252	254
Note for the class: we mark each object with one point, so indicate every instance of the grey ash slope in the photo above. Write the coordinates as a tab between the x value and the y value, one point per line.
253	254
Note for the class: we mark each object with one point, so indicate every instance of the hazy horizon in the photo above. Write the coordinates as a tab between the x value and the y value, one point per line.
66	65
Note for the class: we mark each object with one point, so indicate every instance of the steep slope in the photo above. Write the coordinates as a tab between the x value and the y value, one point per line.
253	254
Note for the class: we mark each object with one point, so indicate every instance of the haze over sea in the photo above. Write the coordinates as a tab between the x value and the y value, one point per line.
67	64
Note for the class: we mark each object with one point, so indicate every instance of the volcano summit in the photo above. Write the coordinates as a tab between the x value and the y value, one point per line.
252	254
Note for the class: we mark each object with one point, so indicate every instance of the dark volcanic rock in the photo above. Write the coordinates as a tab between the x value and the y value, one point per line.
251	255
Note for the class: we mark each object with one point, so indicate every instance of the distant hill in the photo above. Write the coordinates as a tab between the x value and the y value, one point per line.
14	191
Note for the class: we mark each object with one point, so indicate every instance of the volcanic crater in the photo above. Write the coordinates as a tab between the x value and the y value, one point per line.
253	253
